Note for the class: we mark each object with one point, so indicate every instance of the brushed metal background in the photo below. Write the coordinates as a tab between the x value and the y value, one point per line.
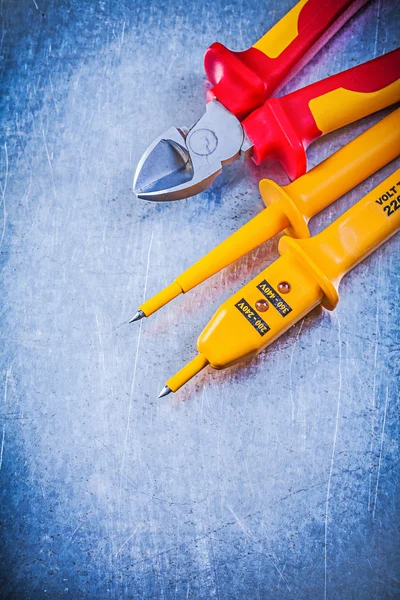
276	479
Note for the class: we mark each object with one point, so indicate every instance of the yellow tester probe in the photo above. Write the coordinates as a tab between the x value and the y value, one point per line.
291	207
307	273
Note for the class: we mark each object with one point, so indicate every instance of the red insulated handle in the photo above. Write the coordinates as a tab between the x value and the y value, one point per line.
244	80
284	127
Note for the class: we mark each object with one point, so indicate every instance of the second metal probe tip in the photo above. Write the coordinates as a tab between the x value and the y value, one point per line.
164	392
139	315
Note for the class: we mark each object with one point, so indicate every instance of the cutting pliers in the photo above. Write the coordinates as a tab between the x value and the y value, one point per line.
242	119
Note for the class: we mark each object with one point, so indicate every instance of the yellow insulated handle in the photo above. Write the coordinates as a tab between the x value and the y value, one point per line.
348	240
335	176
283	33
305	29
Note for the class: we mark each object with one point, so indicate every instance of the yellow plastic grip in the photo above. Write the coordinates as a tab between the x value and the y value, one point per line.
282	34
348	240
341	107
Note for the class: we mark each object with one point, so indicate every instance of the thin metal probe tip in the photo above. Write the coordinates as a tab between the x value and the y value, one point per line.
139	315
164	392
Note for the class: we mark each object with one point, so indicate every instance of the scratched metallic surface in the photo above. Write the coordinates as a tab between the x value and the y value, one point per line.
275	479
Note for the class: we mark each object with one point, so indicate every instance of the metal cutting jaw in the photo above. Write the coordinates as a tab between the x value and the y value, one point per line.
183	162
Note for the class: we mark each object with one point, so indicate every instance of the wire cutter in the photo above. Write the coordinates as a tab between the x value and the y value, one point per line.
241	118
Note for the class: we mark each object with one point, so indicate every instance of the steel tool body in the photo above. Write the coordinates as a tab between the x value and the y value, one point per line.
239	122
307	273
290	207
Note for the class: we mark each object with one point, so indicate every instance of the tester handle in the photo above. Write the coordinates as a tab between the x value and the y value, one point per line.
349	239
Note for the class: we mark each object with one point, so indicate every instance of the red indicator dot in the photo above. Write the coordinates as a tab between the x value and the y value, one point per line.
262	305
284	287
